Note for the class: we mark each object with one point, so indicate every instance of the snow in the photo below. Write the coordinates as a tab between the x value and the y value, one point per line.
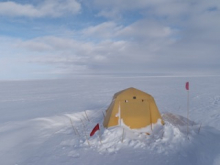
45	122
148	129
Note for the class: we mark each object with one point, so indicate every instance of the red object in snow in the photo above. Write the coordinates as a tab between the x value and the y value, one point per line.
187	85
96	128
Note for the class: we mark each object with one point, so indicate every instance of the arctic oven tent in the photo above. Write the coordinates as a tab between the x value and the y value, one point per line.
135	108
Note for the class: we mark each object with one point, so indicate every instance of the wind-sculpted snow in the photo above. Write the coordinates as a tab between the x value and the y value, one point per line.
54	141
48	122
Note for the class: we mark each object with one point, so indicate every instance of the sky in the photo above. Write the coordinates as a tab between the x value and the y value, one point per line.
64	38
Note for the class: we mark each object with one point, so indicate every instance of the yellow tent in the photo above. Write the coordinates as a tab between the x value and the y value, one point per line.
135	108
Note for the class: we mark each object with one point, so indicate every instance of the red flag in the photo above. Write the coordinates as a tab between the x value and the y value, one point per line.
96	128
187	85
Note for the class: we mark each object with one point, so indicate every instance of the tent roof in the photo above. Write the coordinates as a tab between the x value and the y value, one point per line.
137	109
131	92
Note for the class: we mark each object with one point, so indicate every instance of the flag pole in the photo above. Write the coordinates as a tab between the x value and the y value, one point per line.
187	112
94	130
187	88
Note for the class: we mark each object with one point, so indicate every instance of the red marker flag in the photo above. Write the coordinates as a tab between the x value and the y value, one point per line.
96	128
187	85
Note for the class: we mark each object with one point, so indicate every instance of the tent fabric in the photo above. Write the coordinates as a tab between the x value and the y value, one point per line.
135	108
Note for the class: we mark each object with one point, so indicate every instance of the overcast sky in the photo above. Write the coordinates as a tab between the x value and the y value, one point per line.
63	38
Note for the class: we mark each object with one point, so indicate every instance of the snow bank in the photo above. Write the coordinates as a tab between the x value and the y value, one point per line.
45	122
55	141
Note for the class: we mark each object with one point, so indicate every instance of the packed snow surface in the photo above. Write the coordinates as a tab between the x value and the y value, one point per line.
49	122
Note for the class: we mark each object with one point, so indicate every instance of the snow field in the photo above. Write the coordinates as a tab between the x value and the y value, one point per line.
39	121
54	140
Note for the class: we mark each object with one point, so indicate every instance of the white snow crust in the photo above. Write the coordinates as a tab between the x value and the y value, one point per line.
49	122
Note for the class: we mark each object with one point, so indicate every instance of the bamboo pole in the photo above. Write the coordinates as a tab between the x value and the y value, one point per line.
84	128
75	129
103	115
100	137
86	116
87	138
82	123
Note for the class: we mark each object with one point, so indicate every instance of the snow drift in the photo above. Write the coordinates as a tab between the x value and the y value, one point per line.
38	119
54	141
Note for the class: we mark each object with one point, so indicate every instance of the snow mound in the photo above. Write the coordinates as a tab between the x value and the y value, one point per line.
65	140
162	137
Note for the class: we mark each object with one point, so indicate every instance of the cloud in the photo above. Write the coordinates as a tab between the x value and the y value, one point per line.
146	29
104	30
169	37
51	8
110	50
160	8
138	31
